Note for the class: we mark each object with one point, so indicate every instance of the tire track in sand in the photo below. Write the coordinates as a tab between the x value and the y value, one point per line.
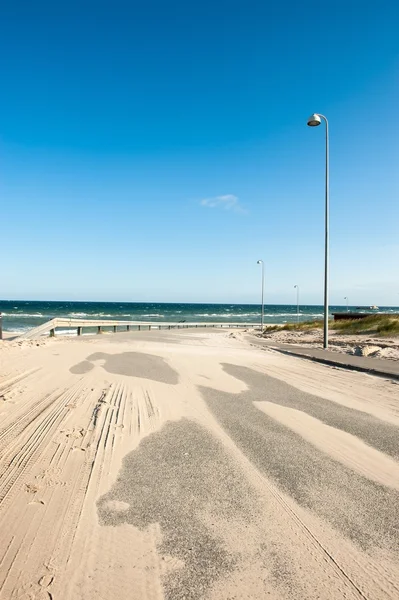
18	458
65	449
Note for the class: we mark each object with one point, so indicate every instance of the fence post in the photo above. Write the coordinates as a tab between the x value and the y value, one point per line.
127	327
79	330
52	332
99	329
114	328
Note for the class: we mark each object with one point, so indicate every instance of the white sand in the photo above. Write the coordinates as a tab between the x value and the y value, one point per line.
67	420
359	345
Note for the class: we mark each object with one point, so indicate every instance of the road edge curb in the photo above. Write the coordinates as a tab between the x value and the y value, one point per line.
333	363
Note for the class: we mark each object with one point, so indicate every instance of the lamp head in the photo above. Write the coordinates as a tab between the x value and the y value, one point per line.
314	120
259	262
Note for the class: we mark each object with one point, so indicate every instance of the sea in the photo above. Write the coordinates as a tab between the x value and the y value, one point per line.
20	316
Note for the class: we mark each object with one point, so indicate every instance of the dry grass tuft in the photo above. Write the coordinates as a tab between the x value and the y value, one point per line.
381	325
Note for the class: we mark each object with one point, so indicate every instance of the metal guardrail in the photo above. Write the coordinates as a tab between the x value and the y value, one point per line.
78	324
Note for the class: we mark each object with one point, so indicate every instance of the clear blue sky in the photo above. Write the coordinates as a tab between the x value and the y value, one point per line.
153	151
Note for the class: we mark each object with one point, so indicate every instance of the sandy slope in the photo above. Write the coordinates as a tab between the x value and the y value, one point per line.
192	465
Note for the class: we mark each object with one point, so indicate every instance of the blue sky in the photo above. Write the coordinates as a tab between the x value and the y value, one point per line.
154	151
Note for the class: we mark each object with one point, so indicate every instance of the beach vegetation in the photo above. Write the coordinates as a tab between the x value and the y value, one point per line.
381	325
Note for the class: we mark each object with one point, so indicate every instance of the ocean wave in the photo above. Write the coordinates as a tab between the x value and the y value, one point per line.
23	315
224	316
91	315
154	315
68	332
18	330
255	315
210	315
293	314
238	315
116	316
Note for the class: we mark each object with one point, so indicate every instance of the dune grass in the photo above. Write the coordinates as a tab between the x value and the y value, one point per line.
302	326
381	325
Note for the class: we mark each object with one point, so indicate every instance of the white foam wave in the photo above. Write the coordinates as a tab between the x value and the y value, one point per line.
91	315
292	314
17	330
239	315
22	315
223	316
68	332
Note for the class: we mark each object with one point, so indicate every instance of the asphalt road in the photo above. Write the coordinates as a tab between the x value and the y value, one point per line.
183	472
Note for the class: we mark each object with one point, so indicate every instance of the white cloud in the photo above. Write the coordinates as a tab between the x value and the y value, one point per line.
226	202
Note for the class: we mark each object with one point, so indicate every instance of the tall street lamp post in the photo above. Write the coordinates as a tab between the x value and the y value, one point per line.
313	121
260	262
297	302
347	303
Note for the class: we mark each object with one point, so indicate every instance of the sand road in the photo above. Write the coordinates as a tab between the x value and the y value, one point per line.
185	465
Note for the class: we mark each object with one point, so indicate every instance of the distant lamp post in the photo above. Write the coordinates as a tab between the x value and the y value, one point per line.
313	121
260	262
297	302
347	303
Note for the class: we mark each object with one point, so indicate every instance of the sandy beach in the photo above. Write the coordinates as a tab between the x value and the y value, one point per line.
357	345
192	465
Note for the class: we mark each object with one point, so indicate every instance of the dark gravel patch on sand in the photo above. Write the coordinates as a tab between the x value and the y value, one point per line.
132	364
381	435
361	509
176	478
